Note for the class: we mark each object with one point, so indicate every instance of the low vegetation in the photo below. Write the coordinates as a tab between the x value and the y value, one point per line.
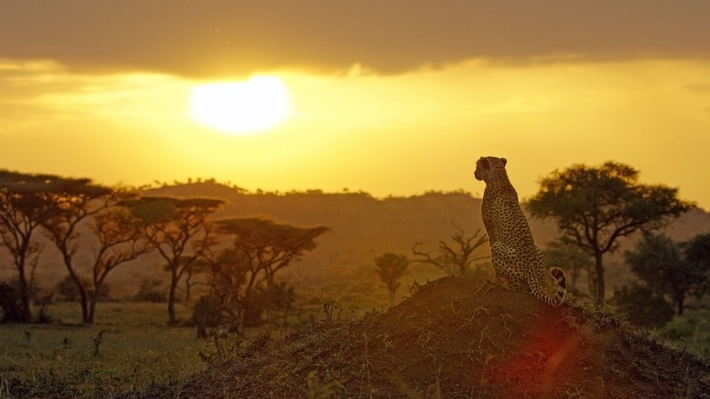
454	337
129	346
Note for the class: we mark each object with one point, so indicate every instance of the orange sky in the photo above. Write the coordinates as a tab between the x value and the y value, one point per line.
386	97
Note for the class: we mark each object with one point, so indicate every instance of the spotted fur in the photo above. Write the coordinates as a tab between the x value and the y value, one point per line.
516	259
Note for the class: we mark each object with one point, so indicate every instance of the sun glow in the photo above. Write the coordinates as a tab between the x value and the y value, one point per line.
241	108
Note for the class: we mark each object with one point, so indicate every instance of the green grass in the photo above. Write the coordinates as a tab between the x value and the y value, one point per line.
691	330
128	348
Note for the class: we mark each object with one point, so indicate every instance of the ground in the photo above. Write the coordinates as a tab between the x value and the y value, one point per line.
455	338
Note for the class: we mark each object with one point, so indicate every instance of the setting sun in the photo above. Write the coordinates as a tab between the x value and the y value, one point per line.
241	108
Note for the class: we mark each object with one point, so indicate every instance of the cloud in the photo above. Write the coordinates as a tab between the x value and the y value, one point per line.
217	37
698	88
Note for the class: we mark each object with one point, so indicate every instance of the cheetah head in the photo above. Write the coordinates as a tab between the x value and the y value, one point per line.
487	168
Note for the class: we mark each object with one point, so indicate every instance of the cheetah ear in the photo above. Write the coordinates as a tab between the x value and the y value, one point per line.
485	163
505	161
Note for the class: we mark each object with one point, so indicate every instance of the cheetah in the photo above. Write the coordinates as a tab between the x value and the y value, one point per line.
515	257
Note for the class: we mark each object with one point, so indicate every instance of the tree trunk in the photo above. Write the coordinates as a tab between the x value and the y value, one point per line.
84	306
680	302
83	296
599	269
92	311
172	319
25	312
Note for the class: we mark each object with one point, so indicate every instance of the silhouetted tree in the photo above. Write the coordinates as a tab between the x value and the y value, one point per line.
174	227
26	202
242	276
457	259
595	206
119	240
115	240
391	267
677	270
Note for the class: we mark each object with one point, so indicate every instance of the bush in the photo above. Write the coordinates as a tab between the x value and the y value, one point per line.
149	292
644	306
206	313
10	303
66	290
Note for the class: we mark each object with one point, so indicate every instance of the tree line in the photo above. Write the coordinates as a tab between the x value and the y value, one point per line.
97	229
593	207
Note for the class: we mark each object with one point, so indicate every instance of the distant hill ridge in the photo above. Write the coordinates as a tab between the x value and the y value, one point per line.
363	227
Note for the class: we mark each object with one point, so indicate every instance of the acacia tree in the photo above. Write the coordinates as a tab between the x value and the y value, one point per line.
242	276
25	204
596	206
174	226
677	270
456	259
391	267
70	208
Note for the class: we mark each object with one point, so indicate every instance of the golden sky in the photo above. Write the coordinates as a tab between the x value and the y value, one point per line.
396	97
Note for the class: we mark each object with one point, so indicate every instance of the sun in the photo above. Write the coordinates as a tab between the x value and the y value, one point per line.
241	108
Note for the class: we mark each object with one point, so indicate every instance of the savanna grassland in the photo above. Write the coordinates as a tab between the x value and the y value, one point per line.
128	347
450	338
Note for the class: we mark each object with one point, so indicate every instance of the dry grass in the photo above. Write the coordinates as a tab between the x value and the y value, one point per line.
455	338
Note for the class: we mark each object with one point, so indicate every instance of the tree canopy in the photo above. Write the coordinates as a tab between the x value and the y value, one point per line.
674	269
242	276
391	267
595	206
177	228
27	202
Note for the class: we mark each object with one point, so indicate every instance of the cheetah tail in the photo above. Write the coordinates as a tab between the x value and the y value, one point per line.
561	279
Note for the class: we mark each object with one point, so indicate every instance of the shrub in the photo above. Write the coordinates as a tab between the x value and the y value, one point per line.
10	303
149	292
644	306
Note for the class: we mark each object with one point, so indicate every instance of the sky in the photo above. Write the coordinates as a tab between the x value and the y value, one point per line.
394	97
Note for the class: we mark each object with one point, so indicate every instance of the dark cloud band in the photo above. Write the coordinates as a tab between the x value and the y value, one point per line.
218	37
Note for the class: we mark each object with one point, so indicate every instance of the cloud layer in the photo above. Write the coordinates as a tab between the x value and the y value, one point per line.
218	37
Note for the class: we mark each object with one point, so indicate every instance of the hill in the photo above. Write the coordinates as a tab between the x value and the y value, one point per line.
456	338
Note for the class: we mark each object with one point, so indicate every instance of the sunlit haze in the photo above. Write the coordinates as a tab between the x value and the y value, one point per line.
383	116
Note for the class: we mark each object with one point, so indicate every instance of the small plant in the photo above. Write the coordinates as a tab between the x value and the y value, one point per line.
319	390
98	340
222	347
44	302
4	388
330	307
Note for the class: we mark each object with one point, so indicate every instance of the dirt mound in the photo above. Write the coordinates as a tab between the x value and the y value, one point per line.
457	338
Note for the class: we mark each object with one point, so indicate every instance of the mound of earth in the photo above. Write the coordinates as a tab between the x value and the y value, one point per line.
457	338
